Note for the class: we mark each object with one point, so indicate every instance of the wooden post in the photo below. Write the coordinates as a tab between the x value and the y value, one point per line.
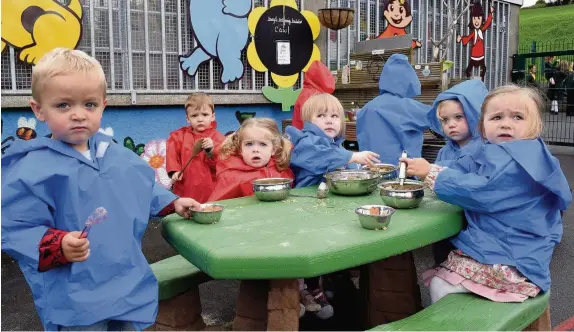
542	323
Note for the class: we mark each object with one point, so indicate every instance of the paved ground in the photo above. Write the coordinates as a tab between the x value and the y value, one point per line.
218	297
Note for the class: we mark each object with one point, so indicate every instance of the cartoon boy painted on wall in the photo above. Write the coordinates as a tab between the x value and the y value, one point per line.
476	38
398	16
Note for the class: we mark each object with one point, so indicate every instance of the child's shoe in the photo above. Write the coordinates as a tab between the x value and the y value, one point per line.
301	310
309	302
326	310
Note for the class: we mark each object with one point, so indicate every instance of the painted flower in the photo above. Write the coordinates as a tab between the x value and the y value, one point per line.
283	41
154	155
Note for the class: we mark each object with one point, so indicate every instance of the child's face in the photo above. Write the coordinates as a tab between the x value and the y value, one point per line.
256	147
200	119
477	22
72	107
454	123
505	118
396	15
329	121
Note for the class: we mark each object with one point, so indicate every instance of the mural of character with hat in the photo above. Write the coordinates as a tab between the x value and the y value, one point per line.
477	26
398	16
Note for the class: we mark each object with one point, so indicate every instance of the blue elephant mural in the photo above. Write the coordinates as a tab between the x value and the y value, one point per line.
220	30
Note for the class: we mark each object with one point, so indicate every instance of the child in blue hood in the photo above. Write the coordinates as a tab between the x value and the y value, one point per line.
454	115
50	186
393	121
317	149
512	190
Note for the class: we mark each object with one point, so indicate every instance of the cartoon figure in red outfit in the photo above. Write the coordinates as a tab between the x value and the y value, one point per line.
398	15
476	38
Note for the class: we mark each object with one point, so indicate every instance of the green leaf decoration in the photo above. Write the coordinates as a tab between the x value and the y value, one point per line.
129	143
139	149
284	96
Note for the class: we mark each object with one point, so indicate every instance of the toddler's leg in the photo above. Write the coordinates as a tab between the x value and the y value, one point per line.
440	288
99	326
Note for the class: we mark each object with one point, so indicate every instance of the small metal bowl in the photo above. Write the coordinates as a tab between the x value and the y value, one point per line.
352	182
272	189
375	216
387	171
207	214
408	198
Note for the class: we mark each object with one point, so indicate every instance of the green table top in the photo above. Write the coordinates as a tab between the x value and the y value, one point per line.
303	237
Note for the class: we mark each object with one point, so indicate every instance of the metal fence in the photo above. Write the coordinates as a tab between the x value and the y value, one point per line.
536	69
547	46
138	43
430	21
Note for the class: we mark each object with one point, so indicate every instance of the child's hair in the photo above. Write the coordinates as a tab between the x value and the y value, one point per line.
530	66
197	101
232	143
320	103
62	61
564	66
403	3
534	118
476	11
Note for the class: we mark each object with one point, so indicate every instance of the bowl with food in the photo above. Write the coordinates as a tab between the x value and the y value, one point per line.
387	171
352	182
375	217
406	196
207	213
272	189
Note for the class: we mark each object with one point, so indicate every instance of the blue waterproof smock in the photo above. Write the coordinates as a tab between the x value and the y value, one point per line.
48	184
393	122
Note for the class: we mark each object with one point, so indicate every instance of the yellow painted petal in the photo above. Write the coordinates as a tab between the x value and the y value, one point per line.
315	56
284	81
313	22
253	58
288	3
254	18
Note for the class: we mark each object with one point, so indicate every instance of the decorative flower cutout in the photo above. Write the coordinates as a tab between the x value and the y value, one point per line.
154	154
283	41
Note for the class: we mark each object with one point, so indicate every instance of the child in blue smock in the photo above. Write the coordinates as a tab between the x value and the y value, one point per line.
317	150
512	191
50	186
393	121
455	115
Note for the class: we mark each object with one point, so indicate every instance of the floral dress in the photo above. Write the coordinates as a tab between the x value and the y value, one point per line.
499	283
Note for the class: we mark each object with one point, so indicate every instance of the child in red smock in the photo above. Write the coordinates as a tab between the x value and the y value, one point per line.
257	150
197	140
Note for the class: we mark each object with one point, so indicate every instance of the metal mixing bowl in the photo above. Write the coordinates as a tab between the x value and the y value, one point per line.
352	182
370	221
272	189
402	198
387	171
204	215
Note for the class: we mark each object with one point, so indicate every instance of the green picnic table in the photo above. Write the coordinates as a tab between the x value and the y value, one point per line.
301	237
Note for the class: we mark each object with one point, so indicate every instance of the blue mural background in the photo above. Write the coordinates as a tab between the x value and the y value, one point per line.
146	123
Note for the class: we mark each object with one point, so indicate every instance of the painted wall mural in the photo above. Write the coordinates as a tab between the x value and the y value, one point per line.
220	31
399	17
38	26
475	39
280	32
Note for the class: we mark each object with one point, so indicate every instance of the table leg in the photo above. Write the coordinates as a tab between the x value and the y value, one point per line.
390	290
542	323
251	307
283	305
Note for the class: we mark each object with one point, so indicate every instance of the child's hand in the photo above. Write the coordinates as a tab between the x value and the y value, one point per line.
197	147
207	144
183	204
177	176
74	248
417	167
365	158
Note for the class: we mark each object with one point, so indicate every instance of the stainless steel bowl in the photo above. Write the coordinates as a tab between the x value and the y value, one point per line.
378	220
402	198
207	214
272	189
352	182
387	171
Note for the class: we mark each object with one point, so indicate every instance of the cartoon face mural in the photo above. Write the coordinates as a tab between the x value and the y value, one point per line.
38	26
476	39
220	30
399	17
283	43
